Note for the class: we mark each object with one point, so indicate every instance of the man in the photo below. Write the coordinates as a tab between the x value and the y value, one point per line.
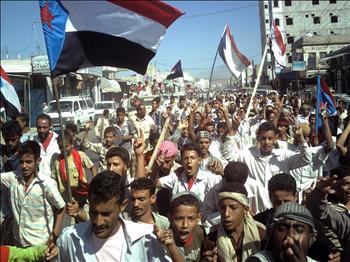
303	118
101	125
265	161
124	102
47	141
289	236
155	113
144	122
143	196
337	221
209	162
106	236
37	206
125	130
342	113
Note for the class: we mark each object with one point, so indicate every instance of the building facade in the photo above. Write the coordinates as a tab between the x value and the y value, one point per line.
302	18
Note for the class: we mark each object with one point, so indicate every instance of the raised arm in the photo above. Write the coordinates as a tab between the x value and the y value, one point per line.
342	140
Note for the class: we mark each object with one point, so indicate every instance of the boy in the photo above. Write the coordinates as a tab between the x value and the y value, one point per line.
77	162
192	178
37	205
125	130
184	219
23	121
238	235
143	196
282	189
101	149
11	132
77	142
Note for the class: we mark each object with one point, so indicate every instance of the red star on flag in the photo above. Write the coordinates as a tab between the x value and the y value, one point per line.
46	16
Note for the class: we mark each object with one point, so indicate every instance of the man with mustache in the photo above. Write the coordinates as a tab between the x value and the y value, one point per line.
106	236
47	141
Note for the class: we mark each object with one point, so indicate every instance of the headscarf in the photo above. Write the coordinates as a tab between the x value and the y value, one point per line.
251	237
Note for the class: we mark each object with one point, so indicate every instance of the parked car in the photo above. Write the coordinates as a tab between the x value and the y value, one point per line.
75	109
101	106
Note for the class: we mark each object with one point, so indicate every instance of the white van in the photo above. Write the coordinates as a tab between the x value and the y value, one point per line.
75	109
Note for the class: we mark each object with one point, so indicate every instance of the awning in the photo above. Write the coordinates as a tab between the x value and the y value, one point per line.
109	86
332	57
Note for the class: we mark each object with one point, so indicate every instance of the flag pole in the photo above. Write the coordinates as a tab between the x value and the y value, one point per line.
257	78
63	140
212	70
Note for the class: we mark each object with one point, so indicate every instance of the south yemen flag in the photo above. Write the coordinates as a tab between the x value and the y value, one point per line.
125	34
232	57
9	97
176	71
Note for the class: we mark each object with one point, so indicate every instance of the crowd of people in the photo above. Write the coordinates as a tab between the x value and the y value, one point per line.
187	180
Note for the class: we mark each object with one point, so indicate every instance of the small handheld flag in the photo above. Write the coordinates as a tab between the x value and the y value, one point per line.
235	61
176	71
9	97
324	99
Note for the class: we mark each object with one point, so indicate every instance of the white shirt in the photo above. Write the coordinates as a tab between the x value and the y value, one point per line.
109	249
46	155
201	186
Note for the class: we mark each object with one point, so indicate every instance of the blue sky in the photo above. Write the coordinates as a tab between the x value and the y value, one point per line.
193	39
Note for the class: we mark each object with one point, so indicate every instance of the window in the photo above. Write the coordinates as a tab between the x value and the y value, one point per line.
277	21
288	2
312	15
290	40
334	19
76	106
82	104
330	14
275	3
315	33
266	21
332	32
306	16
287	34
90	104
311	61
289	21
290	59
323	55
315	2
332	1
317	20
266	6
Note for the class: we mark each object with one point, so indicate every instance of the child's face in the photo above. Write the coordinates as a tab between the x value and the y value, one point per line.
232	214
109	139
183	220
68	147
120	117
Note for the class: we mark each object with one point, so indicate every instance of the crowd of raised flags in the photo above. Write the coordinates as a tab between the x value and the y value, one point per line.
187	180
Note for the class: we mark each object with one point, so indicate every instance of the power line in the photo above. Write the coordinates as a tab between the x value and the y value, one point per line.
219	12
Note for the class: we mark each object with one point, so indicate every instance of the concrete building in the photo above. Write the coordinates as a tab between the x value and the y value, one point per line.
313	49
299	18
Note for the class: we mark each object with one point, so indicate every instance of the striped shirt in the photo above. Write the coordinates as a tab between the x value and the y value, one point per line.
32	208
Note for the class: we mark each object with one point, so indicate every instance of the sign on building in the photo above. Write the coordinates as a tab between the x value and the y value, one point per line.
40	64
298	66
